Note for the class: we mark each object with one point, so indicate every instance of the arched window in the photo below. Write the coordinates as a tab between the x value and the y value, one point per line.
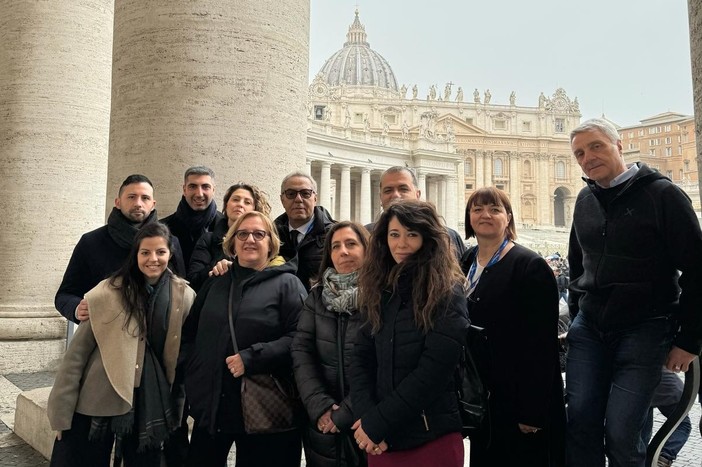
560	170
527	169
498	167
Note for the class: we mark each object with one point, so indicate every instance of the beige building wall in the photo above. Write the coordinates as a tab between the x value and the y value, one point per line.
55	101
208	82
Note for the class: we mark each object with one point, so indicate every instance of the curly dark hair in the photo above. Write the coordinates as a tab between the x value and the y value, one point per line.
435	268
259	196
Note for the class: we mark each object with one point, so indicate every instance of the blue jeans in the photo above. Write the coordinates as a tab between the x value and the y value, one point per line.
610	380
665	399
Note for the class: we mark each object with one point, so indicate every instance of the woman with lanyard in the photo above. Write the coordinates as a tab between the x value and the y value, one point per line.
512	294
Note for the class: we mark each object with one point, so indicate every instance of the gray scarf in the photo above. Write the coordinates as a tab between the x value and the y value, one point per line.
340	291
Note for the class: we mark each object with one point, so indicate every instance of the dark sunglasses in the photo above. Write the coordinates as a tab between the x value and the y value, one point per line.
304	194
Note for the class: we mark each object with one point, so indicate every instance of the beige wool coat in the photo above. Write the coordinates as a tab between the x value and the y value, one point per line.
103	364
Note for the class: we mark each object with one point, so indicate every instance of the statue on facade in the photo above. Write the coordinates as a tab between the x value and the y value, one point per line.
450	134
512	98
347	118
386	128
414	91
405	130
366	123
431	126
447	91
327	114
432	92
542	101
459	94
488	96
423	126
403	91
576	105
476	96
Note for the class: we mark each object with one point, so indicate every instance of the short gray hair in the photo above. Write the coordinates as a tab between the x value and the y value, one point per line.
198	170
398	169
298	174
600	124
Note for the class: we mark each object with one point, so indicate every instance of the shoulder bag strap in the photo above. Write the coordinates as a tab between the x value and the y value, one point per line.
230	307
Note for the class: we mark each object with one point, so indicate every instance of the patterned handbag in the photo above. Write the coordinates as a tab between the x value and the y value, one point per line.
269	404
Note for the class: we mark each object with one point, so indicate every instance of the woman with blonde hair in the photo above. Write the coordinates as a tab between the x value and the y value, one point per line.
259	297
406	354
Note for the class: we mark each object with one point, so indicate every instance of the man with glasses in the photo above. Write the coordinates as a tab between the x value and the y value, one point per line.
304	225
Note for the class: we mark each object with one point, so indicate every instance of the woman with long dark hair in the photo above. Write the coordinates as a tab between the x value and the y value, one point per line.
406	354
323	347
512	294
118	379
239	199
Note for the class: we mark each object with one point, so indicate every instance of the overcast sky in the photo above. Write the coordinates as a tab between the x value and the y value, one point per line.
628	59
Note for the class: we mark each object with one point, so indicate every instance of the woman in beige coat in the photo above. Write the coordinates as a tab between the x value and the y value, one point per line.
117	379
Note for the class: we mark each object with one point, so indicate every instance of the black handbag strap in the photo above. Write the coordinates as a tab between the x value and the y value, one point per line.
230	307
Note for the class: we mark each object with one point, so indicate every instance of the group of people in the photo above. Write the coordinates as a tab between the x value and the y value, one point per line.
369	323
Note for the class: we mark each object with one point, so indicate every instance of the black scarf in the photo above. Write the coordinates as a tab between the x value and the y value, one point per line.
195	221
122	230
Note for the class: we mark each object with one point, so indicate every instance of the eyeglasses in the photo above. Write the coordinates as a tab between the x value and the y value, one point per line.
304	194
258	235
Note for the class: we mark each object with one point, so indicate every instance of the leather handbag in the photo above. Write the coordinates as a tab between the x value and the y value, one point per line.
269	404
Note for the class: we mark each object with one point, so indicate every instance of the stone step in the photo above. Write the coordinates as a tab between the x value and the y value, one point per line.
31	422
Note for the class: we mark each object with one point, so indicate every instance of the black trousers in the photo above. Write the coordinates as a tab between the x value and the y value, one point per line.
277	449
74	449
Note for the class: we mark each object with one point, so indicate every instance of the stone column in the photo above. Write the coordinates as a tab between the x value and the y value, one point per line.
422	181
441	201
345	194
324	186
308	167
217	83
366	216
55	104
451	205
695	19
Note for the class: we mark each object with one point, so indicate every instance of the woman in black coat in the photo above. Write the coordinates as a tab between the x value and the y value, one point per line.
240	198
266	298
323	346
405	357
512	294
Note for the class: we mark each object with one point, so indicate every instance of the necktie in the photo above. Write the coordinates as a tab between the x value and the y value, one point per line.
293	238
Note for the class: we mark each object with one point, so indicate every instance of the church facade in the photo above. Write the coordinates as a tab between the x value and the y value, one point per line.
360	122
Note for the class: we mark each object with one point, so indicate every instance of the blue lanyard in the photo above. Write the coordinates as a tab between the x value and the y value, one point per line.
495	258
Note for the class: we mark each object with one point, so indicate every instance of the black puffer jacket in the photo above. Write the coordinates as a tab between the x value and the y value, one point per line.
321	352
309	251
208	251
625	254
268	305
402	385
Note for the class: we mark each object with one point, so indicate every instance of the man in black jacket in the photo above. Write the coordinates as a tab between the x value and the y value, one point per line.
197	211
304	225
635	259
102	251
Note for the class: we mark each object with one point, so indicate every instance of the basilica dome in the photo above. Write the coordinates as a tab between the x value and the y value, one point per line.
356	64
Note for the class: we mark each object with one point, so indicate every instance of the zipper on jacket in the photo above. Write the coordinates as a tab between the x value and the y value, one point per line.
426	423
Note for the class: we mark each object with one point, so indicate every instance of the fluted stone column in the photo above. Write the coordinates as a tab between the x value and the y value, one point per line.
345	194
695	18
55	63
213	82
366	215
441	201
451	205
325	186
308	167
422	181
